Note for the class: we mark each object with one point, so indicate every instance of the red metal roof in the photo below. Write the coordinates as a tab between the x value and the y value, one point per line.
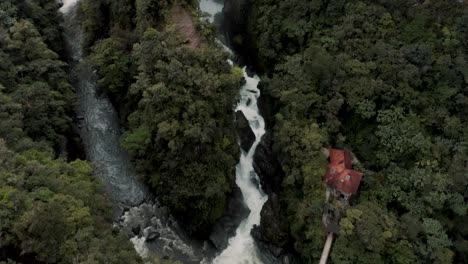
339	172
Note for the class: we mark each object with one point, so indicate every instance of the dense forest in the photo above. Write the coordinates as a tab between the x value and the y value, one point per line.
175	94
388	80
52	209
175	101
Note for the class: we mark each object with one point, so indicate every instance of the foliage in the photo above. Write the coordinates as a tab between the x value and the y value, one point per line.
387	80
109	55
51	210
35	87
175	103
181	134
56	211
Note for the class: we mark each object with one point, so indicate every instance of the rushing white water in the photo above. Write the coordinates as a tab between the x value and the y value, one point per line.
67	5
242	248
211	7
154	220
100	135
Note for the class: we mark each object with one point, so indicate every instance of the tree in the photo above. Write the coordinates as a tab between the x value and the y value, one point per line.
181	134
386	81
113	64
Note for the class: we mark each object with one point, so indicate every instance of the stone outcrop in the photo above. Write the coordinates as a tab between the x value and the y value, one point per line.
226	227
235	18
272	236
246	135
234	26
267	166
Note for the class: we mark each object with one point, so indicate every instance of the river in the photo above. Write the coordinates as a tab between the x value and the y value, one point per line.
242	248
99	127
151	228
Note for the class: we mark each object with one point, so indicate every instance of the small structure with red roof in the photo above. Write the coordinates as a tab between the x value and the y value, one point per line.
340	175
342	182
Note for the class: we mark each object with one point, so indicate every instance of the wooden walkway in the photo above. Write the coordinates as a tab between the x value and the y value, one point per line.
326	249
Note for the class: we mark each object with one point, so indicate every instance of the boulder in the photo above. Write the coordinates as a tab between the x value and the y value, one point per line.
235	14
151	234
267	166
273	230
136	230
246	135
225	228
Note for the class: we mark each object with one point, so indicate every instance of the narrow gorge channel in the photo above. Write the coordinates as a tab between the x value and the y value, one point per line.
242	248
153	231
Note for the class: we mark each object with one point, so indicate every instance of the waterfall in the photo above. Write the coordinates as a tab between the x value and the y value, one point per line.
241	248
154	232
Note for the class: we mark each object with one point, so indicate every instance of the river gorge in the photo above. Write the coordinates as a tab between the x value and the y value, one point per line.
138	212
233	131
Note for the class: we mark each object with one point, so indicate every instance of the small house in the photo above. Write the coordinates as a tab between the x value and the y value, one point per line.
340	176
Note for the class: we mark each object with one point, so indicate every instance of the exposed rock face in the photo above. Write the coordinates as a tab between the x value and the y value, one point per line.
152	234
234	26
226	227
153	229
272	235
267	166
268	107
247	136
235	16
272	230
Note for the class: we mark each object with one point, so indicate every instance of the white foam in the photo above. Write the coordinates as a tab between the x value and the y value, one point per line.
67	5
140	246
211	7
242	248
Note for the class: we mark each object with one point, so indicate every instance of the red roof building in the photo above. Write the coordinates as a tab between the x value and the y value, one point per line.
340	175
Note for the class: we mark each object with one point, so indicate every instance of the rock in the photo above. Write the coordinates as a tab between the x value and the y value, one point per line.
235	14
136	230
234	27
268	106
226	227
151	234
270	253
247	136
272	236
267	166
273	230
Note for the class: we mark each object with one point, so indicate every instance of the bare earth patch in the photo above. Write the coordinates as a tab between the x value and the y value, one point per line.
185	26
